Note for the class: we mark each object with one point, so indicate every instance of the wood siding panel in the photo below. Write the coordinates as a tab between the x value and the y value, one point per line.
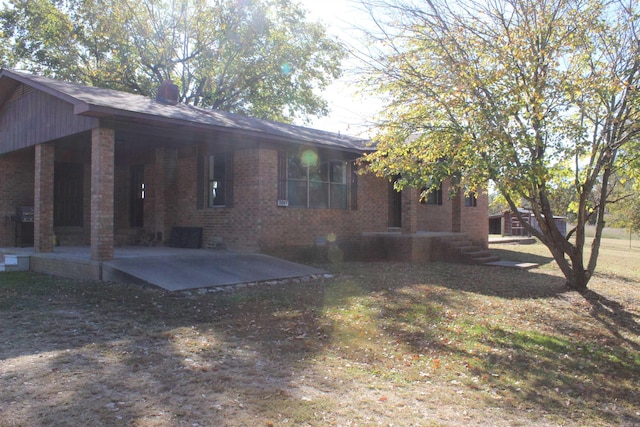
32	117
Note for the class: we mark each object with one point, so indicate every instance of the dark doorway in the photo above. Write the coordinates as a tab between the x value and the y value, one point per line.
137	196
395	207
68	195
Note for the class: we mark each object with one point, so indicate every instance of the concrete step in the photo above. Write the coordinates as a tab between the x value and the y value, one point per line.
478	254
513	264
463	250
15	263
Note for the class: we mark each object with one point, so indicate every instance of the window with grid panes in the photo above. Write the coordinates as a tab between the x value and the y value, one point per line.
321	184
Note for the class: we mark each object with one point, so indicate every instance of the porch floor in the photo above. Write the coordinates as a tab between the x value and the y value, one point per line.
176	269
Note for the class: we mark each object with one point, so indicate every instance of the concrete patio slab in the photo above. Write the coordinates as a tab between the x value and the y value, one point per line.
172	269
203	269
514	264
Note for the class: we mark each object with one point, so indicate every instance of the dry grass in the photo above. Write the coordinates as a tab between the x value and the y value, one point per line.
379	344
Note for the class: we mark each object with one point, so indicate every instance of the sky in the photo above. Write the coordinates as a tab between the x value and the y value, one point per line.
349	112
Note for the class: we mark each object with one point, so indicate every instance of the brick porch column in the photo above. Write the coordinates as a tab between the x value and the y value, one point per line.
456	211
43	198
102	202
410	203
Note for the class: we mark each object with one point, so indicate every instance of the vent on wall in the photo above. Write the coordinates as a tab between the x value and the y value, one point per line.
20	91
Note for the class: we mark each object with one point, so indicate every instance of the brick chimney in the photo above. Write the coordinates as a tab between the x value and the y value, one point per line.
168	93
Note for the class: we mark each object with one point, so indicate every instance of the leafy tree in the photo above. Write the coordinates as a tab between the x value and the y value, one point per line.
625	210
497	204
535	96
256	57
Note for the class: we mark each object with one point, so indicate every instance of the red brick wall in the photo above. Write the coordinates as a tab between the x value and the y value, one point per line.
43	197
410	211
436	217
102	193
155	193
475	220
185	189
373	203
256	222
16	189
220	223
282	226
238	226
74	269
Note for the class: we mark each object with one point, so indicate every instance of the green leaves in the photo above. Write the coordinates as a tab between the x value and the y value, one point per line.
49	26
539	97
256	57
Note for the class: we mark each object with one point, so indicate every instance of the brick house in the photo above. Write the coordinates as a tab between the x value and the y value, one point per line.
103	169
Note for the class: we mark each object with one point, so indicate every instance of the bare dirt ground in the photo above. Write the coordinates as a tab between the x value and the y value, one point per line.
381	344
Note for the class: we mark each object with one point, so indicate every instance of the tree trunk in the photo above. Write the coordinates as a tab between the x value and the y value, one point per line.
569	257
570	260
572	268
579	278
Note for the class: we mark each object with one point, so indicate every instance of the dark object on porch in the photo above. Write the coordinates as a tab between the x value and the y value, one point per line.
24	226
24	214
147	238
186	237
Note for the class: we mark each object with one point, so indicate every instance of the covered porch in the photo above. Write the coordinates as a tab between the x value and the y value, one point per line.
95	189
98	168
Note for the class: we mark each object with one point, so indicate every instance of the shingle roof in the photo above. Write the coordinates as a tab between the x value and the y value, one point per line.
91	100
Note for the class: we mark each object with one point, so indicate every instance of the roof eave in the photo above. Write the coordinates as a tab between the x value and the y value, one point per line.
77	104
100	111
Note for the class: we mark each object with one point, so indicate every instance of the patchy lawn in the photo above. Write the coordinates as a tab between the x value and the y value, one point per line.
378	344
